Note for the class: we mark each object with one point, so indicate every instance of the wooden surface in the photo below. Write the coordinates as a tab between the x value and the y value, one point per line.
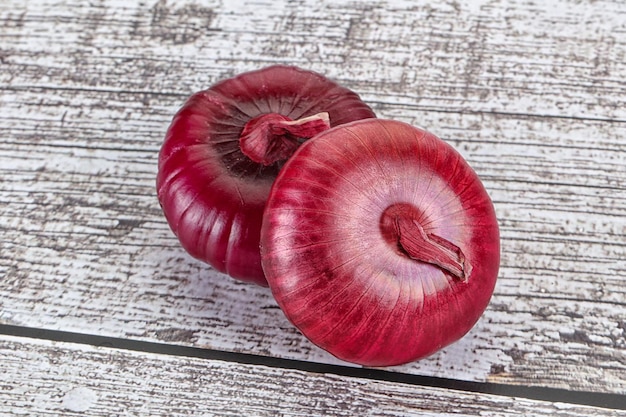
532	95
104	381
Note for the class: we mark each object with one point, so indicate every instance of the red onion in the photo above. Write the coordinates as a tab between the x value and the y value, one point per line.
380	243
225	147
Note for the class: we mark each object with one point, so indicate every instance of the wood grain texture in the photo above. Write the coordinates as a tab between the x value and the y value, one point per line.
52	378
531	95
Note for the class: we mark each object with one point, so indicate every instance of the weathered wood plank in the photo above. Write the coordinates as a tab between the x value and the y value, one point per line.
90	251
87	91
53	378
565	58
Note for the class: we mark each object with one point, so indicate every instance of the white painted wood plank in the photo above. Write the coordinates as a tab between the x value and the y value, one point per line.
52	378
87	91
90	251
563	58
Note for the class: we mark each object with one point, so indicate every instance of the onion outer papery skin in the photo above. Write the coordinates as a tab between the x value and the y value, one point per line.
212	194
332	271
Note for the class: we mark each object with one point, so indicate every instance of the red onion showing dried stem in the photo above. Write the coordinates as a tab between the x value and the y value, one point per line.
225	147
380	243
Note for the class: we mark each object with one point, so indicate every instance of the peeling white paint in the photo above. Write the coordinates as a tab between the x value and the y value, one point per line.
79	399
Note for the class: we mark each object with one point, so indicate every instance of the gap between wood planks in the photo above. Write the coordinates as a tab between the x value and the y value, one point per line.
603	400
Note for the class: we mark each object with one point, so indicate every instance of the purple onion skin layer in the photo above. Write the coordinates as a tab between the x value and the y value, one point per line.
335	271
212	194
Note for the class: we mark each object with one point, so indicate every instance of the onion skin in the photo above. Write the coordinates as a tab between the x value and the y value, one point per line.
211	193
334	269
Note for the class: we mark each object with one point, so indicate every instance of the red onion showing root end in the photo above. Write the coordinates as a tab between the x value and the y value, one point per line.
225	147
380	243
